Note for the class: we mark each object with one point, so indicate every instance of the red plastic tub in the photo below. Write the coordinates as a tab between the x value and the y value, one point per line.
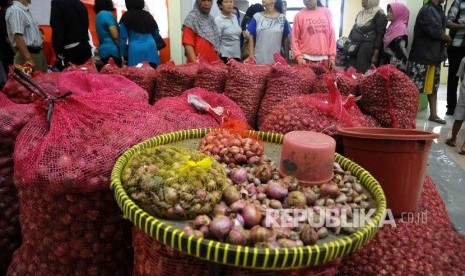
397	158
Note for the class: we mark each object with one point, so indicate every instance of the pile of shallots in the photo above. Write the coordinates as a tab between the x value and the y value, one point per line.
263	209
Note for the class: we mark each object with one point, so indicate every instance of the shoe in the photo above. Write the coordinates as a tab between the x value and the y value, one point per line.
438	120
450	143
450	112
462	152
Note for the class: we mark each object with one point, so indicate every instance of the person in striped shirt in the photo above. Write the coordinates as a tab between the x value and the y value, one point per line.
24	36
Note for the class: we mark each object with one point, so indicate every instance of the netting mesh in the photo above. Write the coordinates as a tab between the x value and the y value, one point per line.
174	182
347	81
390	97
72	234
19	94
154	258
95	83
182	115
212	77
173	80
88	66
316	112
246	85
283	83
71	224
13	117
144	76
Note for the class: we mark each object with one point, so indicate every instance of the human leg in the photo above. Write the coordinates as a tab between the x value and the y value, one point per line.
455	130
455	55
431	88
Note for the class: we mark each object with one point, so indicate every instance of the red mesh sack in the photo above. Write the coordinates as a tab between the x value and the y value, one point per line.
206	110
173	80
347	81
92	83
285	82
110	67
144	76
316	112
19	94
154	258
246	85
13	117
70	221
320	67
16	92
358	118
88	66
212	77
390	97
422	243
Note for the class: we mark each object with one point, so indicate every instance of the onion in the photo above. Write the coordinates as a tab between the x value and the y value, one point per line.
239	175
252	215
237	236
358	188
291	182
220	209
287	243
231	195
342	198
188	230
263	172
220	226
296	199
276	190
202	220
253	160
308	235
310	195
260	234
237	206
239	220
322	233
329	189
276	204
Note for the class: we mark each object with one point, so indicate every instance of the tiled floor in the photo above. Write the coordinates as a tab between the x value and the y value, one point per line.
446	166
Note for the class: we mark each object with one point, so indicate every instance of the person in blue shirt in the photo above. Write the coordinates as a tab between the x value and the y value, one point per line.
138	33
107	32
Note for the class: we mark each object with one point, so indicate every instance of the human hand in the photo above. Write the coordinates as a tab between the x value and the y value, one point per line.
301	61
29	63
332	64
446	38
250	59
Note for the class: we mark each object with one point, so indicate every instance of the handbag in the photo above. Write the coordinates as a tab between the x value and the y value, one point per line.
159	41
351	47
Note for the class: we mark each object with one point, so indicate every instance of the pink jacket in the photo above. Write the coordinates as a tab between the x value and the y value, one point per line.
313	33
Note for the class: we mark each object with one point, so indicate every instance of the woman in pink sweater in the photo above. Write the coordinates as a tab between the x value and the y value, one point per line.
313	38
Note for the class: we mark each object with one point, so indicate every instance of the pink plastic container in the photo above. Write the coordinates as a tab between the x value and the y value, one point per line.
309	156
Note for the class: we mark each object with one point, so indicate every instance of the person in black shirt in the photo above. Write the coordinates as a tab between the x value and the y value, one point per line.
70	23
427	53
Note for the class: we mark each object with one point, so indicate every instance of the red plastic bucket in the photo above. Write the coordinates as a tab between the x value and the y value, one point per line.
397	158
